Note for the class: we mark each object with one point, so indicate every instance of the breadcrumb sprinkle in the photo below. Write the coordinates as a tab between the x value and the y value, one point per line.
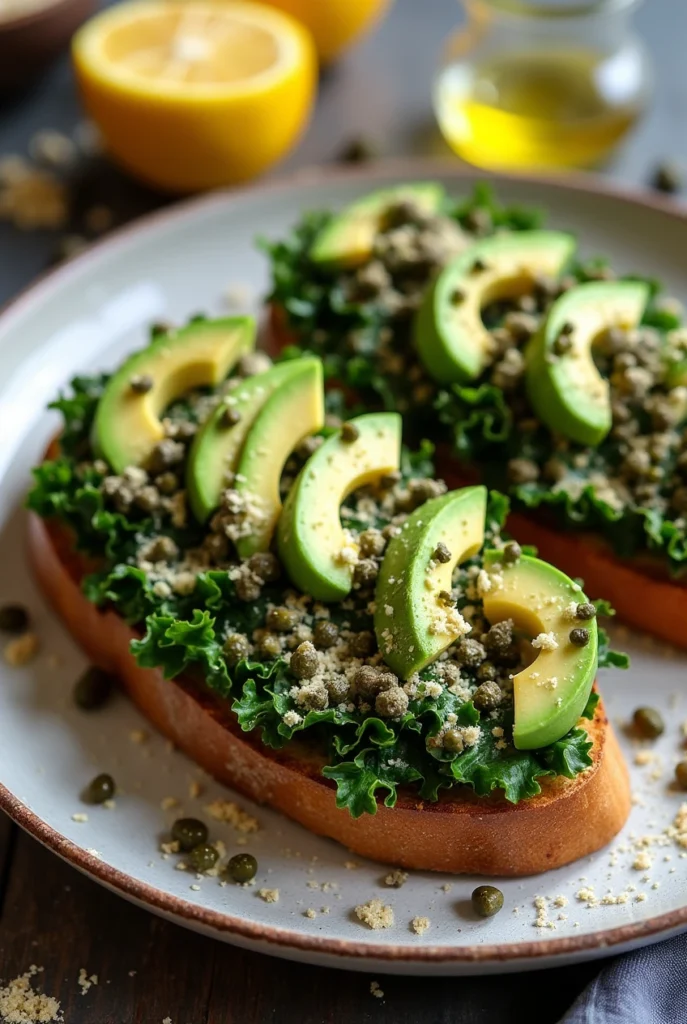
375	914
230	812
21	1004
420	925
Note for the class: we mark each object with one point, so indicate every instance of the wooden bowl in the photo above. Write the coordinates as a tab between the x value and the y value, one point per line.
30	39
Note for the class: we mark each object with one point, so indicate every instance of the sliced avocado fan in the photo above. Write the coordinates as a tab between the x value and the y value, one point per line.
292	412
563	383
313	546
348	239
217	446
551	693
452	342
128	422
415	617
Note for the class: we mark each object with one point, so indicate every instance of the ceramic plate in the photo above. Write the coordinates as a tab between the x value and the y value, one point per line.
202	256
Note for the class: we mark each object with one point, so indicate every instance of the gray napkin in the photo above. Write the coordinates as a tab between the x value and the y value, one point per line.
645	987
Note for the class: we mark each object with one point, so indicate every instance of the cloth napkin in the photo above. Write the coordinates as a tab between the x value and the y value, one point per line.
648	986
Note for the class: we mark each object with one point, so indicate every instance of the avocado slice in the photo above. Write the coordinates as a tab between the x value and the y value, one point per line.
348	239
551	693
310	536
566	390
127	423
217	445
293	411
450	337
413	624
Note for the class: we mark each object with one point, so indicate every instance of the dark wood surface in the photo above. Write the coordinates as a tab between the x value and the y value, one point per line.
55	918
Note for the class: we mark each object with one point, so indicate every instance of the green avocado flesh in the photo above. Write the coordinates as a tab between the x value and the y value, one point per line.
451	340
127	423
217	445
313	545
413	621
348	239
550	694
292	412
565	388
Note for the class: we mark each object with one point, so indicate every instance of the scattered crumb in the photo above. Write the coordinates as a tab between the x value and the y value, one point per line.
168	803
80	817
194	790
167	1020
310	913
195	887
560	901
85	982
447	886
542	908
351	865
375	914
171	847
396	878
138	735
642	861
21	650
269	895
420	925
94	853
376	990
21	1004
643	757
227	810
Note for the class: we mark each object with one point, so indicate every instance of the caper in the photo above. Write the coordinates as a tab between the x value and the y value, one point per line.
235	648
349	432
93	689
141	383
265	565
512	552
189	833
648	722
242	868
487	696
372	542
269	645
453	740
441	553
13	618
304	661
203	857
325	634
100	789
281	619
585	611
365	572
362	645
681	774
230	417
579	636
487	671
667	178
487	900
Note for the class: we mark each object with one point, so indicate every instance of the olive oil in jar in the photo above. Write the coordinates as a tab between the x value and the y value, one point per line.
533	111
541	83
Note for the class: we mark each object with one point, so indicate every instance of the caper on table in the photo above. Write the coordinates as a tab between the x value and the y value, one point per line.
648	722
13	618
189	833
242	868
487	900
203	857
100	789
92	690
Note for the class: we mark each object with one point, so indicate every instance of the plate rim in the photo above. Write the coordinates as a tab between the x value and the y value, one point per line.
280	938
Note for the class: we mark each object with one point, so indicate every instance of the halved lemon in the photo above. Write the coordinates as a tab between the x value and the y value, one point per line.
335	24
194	95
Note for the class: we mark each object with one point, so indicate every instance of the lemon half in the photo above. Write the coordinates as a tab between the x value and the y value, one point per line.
195	95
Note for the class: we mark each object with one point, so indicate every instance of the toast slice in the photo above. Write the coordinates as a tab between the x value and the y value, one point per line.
461	833
639	589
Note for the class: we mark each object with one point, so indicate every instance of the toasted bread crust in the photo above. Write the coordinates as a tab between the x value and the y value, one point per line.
639	589
461	833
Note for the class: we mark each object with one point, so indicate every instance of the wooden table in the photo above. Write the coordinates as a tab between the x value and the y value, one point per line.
53	917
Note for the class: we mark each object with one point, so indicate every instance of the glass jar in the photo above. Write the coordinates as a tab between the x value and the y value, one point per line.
542	83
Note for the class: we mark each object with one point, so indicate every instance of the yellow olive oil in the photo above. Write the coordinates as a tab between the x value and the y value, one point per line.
563	108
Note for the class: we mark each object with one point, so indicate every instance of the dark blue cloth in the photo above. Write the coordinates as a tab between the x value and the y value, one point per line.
645	987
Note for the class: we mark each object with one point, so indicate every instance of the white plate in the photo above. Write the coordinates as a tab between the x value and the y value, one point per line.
85	316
